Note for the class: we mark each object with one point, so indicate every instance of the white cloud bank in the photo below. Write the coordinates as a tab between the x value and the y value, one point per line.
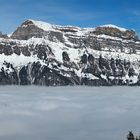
68	113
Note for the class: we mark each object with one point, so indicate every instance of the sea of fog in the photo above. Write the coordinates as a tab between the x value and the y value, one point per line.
68	113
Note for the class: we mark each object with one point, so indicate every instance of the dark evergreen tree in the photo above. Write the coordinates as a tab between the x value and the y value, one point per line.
65	56
131	72
84	58
130	136
101	62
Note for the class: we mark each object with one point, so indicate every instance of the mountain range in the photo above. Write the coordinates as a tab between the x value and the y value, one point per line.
39	53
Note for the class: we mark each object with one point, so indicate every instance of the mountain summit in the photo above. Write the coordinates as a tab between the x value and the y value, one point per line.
43	54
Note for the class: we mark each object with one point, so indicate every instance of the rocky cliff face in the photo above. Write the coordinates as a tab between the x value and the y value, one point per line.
43	54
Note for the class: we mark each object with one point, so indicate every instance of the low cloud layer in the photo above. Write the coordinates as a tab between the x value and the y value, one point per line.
68	113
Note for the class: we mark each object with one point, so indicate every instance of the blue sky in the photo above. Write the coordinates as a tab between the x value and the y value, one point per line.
83	13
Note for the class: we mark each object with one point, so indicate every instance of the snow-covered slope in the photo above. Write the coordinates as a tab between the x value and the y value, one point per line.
114	26
44	54
43	25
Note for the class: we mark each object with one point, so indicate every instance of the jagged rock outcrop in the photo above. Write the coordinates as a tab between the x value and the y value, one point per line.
27	30
116	32
3	35
43	54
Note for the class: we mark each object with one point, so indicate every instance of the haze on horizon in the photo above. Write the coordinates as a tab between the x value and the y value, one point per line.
81	13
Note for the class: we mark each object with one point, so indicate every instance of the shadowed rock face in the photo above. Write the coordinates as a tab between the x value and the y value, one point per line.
38	74
70	56
35	74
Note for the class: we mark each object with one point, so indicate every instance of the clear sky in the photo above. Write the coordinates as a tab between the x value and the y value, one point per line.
83	13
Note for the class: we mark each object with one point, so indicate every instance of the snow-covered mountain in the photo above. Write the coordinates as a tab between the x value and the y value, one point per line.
43	54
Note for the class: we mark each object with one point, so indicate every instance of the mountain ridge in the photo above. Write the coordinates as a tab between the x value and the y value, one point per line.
46	27
43	54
